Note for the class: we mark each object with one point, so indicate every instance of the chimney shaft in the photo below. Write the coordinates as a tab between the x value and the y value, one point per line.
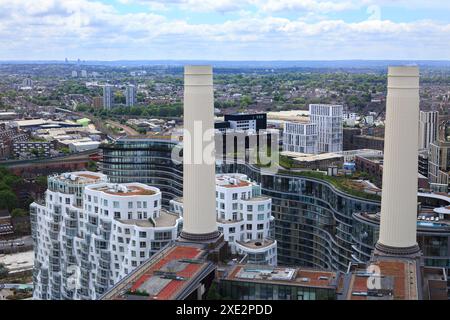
398	225
199	195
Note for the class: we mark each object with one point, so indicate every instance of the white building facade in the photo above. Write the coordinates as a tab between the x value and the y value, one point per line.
328	119
244	217
130	95
428	128
89	234
300	137
107	96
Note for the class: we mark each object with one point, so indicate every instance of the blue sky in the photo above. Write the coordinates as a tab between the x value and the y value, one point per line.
224	29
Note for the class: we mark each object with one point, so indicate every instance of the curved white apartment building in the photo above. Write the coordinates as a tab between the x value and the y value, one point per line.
90	233
244	217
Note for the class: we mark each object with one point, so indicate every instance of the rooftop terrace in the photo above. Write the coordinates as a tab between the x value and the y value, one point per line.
124	189
165	219
284	275
169	275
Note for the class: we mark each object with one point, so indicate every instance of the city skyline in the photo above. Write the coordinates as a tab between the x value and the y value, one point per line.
201	30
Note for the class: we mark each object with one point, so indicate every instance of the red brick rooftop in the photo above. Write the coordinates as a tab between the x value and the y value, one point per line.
171	288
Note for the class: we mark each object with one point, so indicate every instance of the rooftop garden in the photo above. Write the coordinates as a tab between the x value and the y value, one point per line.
345	184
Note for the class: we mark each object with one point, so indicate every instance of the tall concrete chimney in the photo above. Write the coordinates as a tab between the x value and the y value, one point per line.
199	184
398	225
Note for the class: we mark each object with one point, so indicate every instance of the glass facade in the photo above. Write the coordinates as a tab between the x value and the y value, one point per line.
246	290
313	220
146	161
315	223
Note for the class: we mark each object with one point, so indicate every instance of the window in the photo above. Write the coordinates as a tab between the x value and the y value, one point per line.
117	215
249	208
142	254
155	204
261	207
142	244
260	226
144	204
235	206
249	227
116	204
249	217
261	216
163	235
232	230
235	196
130	205
130	215
142	234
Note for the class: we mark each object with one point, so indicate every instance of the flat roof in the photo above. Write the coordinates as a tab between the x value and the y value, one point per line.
284	276
397	277
307	157
124	189
165	219
81	176
256	244
164	276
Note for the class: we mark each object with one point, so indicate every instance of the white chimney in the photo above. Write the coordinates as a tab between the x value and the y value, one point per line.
199	179
398	224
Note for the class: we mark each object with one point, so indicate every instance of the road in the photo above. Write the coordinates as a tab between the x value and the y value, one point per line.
16	286
16	243
129	131
99	123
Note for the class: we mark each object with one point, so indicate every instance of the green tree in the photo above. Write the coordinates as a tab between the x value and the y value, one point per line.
17	212
8	200
41	181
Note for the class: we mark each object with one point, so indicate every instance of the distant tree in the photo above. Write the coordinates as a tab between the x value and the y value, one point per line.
245	101
8	200
17	212
41	181
92	166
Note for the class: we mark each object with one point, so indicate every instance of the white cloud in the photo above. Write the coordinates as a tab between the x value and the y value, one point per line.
93	30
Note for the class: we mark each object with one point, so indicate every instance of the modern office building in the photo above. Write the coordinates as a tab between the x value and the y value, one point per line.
328	119
428	128
89	233
439	164
244	217
256	121
300	137
27	82
108	98
145	160
250	282
130	95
